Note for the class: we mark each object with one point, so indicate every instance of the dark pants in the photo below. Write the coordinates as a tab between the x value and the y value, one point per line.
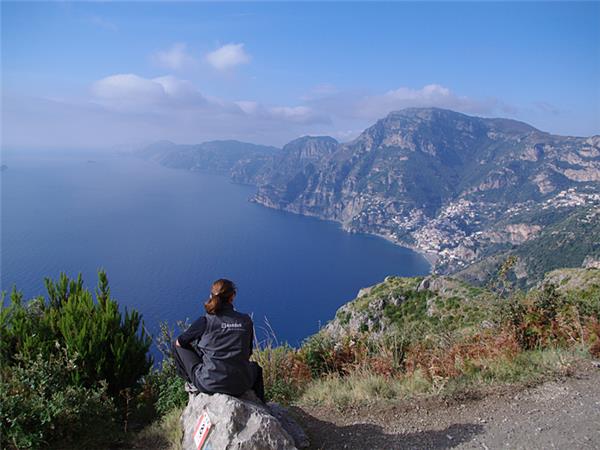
186	361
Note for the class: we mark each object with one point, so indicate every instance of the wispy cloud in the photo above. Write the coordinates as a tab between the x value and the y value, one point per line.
131	93
546	107
372	106
175	57
125	107
293	114
101	22
228	56
429	95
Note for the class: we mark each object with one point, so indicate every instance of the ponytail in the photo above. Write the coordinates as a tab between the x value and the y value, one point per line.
222	291
214	304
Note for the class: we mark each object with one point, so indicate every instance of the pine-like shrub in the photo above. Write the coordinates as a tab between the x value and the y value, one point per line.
109	346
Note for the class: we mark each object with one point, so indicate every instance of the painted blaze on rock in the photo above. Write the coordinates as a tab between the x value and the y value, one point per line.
219	421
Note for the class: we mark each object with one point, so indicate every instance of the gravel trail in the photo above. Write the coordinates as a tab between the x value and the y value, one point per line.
561	414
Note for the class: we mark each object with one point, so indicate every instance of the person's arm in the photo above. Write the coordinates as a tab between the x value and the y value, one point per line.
195	331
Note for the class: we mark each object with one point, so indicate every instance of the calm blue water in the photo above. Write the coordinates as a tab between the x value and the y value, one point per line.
164	235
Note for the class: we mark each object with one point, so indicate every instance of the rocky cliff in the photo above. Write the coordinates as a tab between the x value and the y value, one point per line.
440	181
407	307
459	187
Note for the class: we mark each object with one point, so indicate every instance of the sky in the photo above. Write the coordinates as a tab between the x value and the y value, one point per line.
95	75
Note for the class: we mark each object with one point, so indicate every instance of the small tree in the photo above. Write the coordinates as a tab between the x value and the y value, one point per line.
109	346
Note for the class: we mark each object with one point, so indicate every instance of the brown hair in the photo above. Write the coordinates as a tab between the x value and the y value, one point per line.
222	291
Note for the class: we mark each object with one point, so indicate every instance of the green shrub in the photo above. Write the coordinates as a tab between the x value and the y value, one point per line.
166	386
69	363
167	390
40	406
317	351
109	346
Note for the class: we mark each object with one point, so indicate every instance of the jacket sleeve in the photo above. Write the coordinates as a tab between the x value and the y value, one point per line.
194	332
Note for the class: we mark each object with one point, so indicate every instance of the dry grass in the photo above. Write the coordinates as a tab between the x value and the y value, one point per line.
363	387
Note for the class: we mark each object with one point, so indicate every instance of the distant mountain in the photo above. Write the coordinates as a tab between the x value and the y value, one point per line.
458	187
224	157
443	182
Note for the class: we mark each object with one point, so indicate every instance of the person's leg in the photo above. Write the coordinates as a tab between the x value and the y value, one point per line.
185	361
259	385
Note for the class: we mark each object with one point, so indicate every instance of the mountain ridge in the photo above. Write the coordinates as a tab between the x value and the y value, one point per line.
438	181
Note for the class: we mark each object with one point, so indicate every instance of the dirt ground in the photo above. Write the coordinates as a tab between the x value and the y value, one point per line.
562	413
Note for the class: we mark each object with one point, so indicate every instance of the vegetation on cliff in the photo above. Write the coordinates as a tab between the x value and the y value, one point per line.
440	336
75	369
68	361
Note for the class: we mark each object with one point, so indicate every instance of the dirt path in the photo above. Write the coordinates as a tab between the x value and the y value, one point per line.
561	414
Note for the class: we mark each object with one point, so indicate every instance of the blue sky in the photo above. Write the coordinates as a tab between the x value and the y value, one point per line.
103	74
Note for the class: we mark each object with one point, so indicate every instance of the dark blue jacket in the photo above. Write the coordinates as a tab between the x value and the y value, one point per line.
224	341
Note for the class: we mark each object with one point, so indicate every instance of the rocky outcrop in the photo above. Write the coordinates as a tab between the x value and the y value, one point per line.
591	263
574	280
368	316
375	308
238	423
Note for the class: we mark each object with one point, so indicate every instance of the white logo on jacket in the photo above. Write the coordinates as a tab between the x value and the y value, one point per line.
225	325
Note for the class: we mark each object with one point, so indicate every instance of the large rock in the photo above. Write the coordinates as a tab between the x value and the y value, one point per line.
239	423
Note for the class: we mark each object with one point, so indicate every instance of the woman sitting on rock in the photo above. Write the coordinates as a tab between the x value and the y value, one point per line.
214	353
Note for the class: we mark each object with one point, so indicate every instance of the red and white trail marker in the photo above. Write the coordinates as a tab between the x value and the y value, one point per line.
202	429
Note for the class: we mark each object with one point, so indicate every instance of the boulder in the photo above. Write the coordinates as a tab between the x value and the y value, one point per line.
238	423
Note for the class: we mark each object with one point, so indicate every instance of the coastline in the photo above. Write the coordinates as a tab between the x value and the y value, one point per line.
430	257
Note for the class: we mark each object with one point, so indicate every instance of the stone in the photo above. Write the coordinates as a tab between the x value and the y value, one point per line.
290	425
240	423
364	291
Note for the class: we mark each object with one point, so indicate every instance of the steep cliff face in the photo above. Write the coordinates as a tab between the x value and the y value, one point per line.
285	176
422	159
457	186
436	179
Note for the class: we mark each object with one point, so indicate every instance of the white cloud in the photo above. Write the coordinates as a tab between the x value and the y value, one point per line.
293	114
169	95
228	56
174	58
249	107
368	106
125	107
132	92
429	95
299	114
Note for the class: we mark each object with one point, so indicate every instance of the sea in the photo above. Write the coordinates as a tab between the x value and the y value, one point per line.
164	235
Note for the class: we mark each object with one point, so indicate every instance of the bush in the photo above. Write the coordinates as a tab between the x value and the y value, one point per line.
109	346
317	352
167	388
40	406
284	372
67	360
548	317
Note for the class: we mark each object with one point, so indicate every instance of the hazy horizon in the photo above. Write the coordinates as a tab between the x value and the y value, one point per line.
267	73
